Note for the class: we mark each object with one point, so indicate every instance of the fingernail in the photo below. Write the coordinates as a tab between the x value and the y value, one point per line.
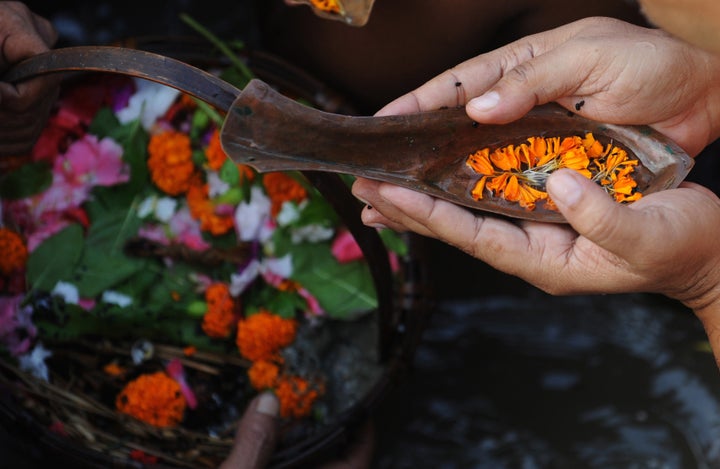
378	226
565	188
485	102
268	404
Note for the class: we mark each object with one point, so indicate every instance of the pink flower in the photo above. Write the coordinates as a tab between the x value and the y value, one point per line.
88	162
312	302
181	228
95	162
175	370
345	248
47	225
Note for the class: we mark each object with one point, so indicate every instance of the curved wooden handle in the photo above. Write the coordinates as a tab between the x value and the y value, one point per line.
132	62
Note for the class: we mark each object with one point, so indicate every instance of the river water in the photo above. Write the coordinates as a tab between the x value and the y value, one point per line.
543	382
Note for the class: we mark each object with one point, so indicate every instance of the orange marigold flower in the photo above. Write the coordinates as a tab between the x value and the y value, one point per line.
153	398
14	251
480	162
170	162
188	101
262	335
246	172
203	210
282	188
518	173
263	374
214	152
219	318
190	350
296	396
330	6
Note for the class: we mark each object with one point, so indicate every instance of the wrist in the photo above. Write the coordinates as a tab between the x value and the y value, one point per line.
708	312
712	103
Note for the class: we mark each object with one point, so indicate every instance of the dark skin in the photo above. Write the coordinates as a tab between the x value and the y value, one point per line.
24	107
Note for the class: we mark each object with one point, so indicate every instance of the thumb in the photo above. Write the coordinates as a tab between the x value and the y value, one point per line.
540	80
593	213
256	435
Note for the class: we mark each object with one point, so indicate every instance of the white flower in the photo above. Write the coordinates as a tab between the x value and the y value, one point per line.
141	350
162	208
252	218
116	298
150	101
311	233
67	291
239	282
216	186
278	267
165	208
34	362
281	266
289	213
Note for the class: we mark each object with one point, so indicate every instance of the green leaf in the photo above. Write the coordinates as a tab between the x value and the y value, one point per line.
282	303
104	264
343	290
29	179
229	172
393	242
104	123
134	141
99	271
200	120
55	258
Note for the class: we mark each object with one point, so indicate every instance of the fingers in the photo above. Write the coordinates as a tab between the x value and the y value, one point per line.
23	33
595	215
45	30
474	77
24	107
543	79
493	240
256	435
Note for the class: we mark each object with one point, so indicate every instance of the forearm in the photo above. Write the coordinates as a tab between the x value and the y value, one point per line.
709	314
712	104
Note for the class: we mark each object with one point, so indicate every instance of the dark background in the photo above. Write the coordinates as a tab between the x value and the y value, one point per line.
506	376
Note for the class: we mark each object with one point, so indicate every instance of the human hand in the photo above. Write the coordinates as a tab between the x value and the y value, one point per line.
612	66
256	437
24	107
601	68
256	434
665	243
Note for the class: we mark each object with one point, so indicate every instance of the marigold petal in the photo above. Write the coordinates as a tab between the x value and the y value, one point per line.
153	398
262	335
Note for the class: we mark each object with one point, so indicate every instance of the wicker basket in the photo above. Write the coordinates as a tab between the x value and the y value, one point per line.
96	435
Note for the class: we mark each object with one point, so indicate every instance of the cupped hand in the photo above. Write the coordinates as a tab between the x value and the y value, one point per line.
665	242
601	68
24	107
